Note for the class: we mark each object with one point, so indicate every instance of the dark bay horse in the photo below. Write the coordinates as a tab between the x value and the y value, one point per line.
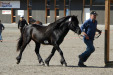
52	34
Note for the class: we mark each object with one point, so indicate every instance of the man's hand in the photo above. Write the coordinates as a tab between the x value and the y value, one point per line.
87	37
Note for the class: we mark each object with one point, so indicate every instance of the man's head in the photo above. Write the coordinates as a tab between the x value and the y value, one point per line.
22	16
93	15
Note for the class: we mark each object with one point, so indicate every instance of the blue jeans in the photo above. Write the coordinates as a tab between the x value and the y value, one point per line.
89	50
0	35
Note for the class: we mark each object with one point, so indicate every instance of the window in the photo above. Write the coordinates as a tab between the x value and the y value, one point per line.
48	2
48	12
98	2
14	12
67	2
87	2
57	2
14	19
30	3
57	12
30	12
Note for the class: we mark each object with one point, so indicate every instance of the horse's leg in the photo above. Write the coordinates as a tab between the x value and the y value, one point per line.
25	42
38	54
50	56
63	62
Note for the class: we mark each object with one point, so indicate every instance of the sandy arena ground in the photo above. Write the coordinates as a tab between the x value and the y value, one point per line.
71	47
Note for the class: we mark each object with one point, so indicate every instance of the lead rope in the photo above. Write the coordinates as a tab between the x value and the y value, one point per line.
94	38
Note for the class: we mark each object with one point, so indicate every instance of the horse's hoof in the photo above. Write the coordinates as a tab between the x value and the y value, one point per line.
42	63
46	63
17	62
63	64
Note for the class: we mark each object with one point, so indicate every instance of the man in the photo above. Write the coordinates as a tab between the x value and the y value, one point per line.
21	23
88	30
1	28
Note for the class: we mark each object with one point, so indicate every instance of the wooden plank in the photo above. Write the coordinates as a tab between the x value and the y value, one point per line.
90	2
109	64
111	1
64	8
46	11
83	10
107	30
55	8
11	15
28	11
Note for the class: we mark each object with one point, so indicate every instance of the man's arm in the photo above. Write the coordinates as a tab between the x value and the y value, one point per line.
18	24
26	22
83	27
3	26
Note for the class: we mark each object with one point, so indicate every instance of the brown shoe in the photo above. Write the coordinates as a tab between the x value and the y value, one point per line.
1	40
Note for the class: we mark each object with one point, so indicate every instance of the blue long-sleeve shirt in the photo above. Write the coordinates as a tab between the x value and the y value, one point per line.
89	27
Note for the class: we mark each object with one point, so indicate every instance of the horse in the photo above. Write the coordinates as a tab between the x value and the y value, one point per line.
53	34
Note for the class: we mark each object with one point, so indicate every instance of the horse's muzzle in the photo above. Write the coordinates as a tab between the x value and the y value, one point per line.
78	31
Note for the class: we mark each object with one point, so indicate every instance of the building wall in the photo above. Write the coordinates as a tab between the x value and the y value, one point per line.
5	18
111	15
101	13
38	11
23	6
76	9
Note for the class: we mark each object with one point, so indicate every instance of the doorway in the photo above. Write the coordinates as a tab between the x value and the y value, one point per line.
86	13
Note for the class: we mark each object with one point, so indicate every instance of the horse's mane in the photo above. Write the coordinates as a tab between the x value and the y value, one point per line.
56	24
31	21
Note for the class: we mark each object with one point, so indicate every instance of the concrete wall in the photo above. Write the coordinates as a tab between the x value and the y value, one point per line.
52	13
76	9
5	18
101	13
38	10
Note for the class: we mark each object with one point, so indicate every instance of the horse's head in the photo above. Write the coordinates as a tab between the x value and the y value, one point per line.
74	24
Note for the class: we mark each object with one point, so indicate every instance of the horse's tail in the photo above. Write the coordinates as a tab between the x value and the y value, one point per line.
20	41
